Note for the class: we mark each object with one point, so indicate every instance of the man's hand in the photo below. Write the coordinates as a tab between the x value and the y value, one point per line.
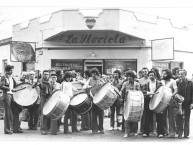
14	90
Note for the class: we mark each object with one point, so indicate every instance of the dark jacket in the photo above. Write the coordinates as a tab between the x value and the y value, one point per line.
185	89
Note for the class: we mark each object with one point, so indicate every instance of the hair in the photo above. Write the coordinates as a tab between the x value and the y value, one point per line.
66	75
58	73
130	73
183	71
94	70
168	72
151	71
119	72
45	71
157	73
145	68
174	70
87	72
9	67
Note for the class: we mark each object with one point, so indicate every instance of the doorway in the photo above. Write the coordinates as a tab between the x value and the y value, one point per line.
89	64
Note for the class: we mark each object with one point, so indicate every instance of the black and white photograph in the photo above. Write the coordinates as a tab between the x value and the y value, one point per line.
89	71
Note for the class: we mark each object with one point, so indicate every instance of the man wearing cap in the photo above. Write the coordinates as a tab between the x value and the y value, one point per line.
7	84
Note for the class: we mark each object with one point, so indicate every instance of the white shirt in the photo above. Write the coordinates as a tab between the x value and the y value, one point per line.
170	84
10	79
67	88
152	86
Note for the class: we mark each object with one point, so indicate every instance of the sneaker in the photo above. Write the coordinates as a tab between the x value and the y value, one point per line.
111	128
135	134
144	135
101	132
160	136
119	128
126	135
186	137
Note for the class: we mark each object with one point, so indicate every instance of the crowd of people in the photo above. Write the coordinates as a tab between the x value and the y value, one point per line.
172	122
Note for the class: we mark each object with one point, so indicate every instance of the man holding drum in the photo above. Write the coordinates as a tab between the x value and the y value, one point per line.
171	84
117	82
130	84
7	84
45	91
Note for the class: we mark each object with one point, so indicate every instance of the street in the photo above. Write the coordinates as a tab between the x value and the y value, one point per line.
86	136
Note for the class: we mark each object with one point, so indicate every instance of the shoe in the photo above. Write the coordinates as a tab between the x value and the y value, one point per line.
160	136
8	132
186	137
135	134
94	132
30	129
140	133
145	135
67	132
19	131
83	129
126	135
101	132
75	130
43	132
54	133
179	136
111	128
171	136
154	133
118	128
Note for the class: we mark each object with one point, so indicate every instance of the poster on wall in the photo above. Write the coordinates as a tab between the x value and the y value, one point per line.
162	49
22	51
119	64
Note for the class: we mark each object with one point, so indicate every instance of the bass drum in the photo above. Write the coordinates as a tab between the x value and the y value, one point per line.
105	97
161	100
25	94
133	106
56	105
81	103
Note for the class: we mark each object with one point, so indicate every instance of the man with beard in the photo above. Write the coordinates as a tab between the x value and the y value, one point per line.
185	89
152	85
117	82
171	84
45	91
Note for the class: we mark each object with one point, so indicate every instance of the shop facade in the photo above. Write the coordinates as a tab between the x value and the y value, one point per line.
108	39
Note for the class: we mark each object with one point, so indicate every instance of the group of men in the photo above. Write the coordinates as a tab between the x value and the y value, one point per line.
169	122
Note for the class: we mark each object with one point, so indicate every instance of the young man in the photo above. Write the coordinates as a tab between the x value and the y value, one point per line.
117	82
185	89
171	84
7	84
96	84
130	84
45	92
152	85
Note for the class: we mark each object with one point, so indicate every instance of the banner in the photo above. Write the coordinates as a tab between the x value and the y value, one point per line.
22	51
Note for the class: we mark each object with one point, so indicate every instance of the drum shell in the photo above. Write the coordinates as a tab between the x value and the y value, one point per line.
108	99
164	102
83	107
59	109
134	106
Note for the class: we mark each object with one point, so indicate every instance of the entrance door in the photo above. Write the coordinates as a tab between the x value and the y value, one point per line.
89	64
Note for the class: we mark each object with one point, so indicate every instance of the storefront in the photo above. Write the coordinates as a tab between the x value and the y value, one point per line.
110	39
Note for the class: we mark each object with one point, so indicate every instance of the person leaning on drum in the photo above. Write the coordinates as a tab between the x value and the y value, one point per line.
170	84
96	84
152	85
130	84
117	82
45	92
67	88
7	84
33	109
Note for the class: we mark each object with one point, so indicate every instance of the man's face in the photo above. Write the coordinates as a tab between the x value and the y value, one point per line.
152	76
145	72
182	75
46	76
116	75
94	75
129	78
10	72
164	75
54	78
31	76
68	79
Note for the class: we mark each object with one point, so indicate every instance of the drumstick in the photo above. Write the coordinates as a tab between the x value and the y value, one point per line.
20	89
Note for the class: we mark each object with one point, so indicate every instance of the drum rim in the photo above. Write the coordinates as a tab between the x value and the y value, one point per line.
23	84
63	112
87	98
87	110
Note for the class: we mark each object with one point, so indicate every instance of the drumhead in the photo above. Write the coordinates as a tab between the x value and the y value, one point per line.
77	85
27	96
53	100
101	93
78	99
155	100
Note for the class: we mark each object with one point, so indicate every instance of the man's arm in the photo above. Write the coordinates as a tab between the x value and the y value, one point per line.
2	84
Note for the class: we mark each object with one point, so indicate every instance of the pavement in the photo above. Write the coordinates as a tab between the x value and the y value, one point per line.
86	136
